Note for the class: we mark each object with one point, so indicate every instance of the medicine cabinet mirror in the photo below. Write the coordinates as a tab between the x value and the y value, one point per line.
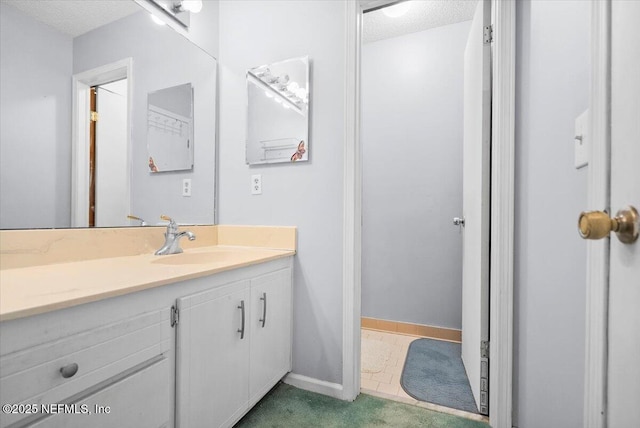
278	112
170	129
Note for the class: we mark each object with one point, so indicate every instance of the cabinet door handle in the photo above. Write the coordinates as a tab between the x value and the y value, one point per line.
264	309
241	329
69	370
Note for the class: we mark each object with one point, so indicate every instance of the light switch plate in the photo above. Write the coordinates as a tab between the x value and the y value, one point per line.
256	184
581	140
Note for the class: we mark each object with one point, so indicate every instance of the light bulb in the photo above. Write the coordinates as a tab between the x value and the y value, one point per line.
397	9
157	20
286	106
261	72
194	6
283	79
278	100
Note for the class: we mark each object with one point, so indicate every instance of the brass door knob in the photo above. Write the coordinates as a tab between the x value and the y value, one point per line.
597	225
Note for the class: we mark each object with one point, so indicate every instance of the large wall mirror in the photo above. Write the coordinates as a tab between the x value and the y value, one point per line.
79	84
278	112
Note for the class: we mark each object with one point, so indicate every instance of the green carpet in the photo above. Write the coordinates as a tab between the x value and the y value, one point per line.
286	406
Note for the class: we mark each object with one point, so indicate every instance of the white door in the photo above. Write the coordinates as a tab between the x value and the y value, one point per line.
624	267
476	202
270	332
112	148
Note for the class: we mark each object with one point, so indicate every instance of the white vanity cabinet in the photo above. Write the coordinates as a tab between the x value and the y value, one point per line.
233	345
206	364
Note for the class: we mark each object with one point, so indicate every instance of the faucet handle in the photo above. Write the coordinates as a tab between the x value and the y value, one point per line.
172	223
142	222
166	217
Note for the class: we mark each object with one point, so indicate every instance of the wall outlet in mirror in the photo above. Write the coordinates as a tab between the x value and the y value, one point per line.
278	112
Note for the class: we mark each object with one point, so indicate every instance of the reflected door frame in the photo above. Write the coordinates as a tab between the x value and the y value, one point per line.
81	87
502	212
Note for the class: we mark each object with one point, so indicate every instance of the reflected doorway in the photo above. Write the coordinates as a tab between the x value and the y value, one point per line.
101	150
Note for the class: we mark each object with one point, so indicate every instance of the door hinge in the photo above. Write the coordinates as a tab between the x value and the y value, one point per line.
175	316
484	349
487	34
94	116
484	378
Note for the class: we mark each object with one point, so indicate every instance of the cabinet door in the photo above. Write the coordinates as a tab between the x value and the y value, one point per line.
212	358
139	400
270	332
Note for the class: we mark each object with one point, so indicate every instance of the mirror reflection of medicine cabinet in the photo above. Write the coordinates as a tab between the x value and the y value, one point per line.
170	129
278	112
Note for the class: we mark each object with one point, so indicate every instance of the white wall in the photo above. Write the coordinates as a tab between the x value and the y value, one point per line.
161	59
412	128
203	28
307	195
549	312
35	125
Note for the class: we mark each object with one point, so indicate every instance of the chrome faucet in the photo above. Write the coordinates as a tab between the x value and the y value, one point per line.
172	238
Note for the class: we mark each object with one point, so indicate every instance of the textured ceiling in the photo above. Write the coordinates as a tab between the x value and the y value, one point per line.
422	15
75	17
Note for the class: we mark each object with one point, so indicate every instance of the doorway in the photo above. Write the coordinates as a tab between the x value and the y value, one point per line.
425	138
503	30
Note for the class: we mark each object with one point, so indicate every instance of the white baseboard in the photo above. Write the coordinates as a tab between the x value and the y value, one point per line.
314	385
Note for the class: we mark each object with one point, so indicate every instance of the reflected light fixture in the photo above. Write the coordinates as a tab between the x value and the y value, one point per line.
397	9
282	85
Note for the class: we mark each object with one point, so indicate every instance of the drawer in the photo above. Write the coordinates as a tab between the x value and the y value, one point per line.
119	405
33	375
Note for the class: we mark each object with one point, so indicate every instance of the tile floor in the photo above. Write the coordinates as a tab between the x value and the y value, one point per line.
386	382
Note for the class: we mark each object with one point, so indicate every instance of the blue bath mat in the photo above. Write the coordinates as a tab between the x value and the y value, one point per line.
433	372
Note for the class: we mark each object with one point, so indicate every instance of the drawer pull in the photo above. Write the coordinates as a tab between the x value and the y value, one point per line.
241	329
69	370
263	320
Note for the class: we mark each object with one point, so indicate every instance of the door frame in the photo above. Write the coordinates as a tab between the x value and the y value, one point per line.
80	117
598	198
502	208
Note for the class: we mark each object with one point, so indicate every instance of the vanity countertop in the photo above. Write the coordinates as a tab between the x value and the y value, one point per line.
39	289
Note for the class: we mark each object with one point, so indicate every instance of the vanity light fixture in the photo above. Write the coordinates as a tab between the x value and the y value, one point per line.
397	9
178	10
194	6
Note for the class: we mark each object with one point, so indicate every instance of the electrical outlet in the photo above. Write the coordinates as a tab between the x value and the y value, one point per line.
256	184
186	187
